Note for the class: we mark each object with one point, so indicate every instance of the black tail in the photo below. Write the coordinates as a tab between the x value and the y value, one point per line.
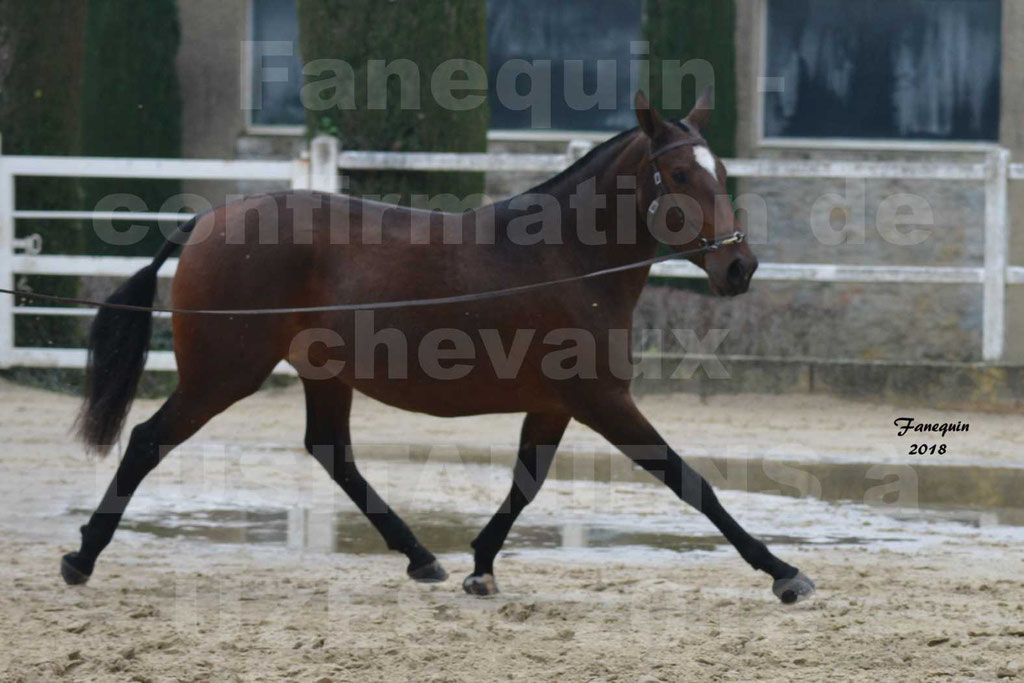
118	346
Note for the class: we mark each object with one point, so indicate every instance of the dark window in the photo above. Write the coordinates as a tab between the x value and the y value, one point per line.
276	67
906	69
562	30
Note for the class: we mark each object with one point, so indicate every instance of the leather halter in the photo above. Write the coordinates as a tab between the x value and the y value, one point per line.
662	192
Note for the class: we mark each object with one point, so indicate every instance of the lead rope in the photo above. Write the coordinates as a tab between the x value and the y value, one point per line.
381	305
706	246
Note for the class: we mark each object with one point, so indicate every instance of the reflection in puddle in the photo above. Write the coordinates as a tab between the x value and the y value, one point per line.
350	532
929	484
977	518
948	498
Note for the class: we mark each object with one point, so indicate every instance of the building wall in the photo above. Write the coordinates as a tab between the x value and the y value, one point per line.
210	68
849	321
1012	137
861	321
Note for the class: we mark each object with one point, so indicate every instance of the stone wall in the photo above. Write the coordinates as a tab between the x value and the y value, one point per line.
865	321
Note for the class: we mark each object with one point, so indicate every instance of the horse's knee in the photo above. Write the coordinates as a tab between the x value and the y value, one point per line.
333	459
319	440
320	446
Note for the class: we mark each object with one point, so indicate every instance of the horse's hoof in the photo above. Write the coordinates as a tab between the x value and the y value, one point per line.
794	589
75	570
480	585
432	572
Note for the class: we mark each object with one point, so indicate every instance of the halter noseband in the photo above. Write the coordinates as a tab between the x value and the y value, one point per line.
662	192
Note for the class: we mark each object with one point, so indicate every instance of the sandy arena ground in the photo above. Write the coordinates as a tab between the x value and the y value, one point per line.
910	600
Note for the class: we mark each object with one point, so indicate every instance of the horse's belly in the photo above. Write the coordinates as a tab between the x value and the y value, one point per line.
428	364
458	397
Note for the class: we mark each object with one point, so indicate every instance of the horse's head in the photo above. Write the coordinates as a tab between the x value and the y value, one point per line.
683	184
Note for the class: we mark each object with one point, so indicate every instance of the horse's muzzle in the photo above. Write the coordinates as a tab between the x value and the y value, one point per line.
738	276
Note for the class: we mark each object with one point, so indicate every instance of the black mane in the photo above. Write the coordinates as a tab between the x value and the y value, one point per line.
590	156
547	185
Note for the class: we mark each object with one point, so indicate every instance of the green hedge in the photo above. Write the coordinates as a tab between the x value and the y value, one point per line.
39	114
697	29
428	34
131	102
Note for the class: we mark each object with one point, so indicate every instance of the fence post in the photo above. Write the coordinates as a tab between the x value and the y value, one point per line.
323	158
997	244
300	172
6	262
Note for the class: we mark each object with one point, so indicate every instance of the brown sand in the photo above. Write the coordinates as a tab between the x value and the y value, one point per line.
180	610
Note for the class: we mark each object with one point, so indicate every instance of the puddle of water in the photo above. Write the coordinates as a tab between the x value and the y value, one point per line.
951	502
978	518
933	484
950	486
350	532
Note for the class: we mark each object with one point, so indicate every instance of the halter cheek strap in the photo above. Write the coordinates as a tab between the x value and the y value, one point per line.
663	191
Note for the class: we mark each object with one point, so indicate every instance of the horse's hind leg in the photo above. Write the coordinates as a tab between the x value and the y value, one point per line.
180	417
537	445
328	403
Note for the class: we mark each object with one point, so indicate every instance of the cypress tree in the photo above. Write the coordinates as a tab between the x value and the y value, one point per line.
425	33
685	30
696	29
40	59
131	102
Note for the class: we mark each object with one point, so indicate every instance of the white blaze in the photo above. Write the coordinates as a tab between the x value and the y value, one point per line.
707	160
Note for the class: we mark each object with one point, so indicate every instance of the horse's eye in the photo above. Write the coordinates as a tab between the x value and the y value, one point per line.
679	177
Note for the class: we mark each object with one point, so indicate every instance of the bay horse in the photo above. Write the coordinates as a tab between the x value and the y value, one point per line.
393	254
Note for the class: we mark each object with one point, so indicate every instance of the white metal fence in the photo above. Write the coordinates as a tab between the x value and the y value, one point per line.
320	171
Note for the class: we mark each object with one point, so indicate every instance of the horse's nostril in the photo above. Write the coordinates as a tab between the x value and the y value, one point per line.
736	272
738	275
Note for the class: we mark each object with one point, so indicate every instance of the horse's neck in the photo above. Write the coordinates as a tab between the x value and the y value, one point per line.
590	200
613	231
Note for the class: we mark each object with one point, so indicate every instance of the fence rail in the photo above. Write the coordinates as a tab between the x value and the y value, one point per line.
153	169
319	170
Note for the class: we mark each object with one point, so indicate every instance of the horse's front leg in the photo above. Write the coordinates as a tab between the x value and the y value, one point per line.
616	417
537	445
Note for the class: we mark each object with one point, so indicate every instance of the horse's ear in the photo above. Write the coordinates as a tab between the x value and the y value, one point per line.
648	117
700	117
